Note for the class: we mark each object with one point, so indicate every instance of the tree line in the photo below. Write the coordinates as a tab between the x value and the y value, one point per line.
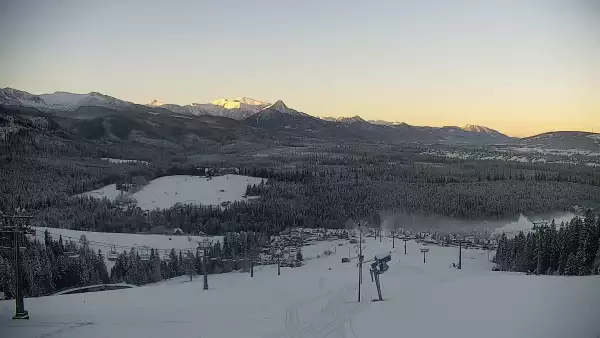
47	267
54	265
572	249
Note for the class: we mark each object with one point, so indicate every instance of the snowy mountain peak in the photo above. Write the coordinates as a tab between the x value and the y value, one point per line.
15	97
250	101
280	107
386	123
72	101
156	103
238	103
478	129
353	119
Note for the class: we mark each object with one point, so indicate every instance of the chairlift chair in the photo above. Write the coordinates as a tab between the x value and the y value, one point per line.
71	254
144	253
188	254
112	254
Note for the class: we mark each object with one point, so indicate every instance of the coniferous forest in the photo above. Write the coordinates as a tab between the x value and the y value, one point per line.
50	265
571	248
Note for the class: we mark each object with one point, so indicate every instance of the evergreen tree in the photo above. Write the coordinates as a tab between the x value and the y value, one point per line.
173	264
572	267
596	266
7	277
180	264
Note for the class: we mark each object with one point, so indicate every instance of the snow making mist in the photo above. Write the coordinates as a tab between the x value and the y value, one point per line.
422	222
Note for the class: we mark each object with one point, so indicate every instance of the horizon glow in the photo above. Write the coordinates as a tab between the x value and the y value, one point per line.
520	67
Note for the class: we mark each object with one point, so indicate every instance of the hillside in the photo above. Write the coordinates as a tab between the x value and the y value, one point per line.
564	140
320	300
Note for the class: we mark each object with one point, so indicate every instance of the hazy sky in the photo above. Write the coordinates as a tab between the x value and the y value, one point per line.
520	66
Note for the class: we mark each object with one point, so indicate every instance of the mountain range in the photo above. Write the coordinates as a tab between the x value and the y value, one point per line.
276	118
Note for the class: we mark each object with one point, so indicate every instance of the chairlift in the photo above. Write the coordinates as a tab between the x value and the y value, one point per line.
188	254
112	254
144	253
71	254
166	255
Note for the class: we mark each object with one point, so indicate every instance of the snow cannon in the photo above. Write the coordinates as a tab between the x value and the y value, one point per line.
380	265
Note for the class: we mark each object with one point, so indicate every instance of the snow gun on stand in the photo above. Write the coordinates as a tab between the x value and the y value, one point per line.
378	267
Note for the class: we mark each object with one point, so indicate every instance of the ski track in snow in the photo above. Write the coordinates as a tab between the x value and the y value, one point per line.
319	300
68	328
330	321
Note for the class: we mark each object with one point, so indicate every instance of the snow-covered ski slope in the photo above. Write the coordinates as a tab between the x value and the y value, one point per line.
165	192
320	300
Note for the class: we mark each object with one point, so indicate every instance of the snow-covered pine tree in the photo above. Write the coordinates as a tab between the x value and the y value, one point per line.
531	248
155	271
188	263
101	268
173	264
553	248
563	249
596	265
572	267
7	276
164	270
181	267
586	243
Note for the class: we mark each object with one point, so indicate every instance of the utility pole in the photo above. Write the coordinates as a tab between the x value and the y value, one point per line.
539	227
380	234
252	254
8	226
205	268
459	254
405	240
393	239
360	257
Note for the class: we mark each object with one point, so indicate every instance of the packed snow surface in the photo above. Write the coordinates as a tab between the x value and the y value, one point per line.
320	300
165	192
110	192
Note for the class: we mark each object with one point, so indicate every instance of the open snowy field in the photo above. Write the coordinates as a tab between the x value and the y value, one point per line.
165	192
124	242
320	300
